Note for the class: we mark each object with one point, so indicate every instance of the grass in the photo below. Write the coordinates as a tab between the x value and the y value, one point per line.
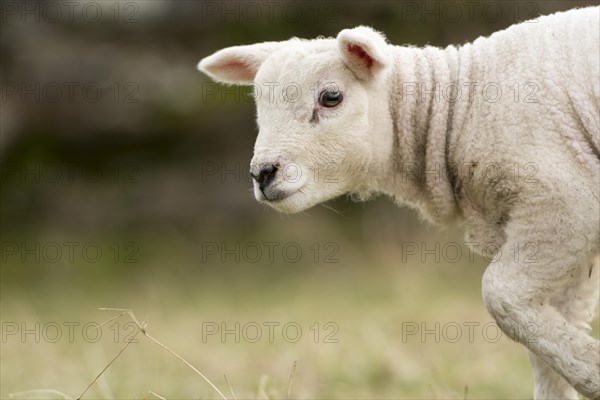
364	305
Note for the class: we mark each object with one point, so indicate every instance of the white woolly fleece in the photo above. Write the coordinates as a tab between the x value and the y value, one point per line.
502	134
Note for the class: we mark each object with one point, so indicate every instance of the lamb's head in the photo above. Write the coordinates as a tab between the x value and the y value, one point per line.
323	113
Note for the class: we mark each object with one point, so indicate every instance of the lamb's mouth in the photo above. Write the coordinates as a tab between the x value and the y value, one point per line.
288	202
276	196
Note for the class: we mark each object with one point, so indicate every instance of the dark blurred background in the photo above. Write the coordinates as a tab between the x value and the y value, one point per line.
124	168
120	91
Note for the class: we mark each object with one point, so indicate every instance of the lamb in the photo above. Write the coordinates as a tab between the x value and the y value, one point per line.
501	135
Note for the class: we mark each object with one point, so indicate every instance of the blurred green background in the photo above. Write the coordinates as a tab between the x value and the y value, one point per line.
124	184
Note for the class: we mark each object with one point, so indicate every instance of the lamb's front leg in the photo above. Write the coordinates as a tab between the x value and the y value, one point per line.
518	287
577	303
519	304
548	383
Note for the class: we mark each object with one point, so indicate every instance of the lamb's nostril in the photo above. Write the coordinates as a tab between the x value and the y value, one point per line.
265	175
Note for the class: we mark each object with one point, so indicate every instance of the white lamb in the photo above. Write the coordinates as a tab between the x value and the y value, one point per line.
502	134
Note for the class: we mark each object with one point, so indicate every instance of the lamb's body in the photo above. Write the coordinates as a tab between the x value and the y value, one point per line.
502	134
547	112
522	169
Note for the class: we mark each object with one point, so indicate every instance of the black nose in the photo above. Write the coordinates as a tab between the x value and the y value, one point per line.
265	175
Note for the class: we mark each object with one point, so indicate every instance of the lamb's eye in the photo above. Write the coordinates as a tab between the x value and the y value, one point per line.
330	99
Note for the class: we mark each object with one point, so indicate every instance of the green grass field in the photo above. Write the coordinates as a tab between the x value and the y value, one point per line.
361	320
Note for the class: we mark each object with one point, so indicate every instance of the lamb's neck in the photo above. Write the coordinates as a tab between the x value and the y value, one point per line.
423	81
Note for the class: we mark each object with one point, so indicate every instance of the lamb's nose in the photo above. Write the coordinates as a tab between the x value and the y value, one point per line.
265	175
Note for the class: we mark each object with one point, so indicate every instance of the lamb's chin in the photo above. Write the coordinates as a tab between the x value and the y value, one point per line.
299	201
291	204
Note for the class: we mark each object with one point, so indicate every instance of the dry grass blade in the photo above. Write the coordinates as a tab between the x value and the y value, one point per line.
123	311
230	388
113	318
142	328
186	363
109	364
156	395
292	374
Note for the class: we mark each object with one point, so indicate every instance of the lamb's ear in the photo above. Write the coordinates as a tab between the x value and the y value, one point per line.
364	50
237	64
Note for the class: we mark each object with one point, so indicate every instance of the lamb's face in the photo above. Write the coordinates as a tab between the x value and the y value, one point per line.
313	130
317	137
